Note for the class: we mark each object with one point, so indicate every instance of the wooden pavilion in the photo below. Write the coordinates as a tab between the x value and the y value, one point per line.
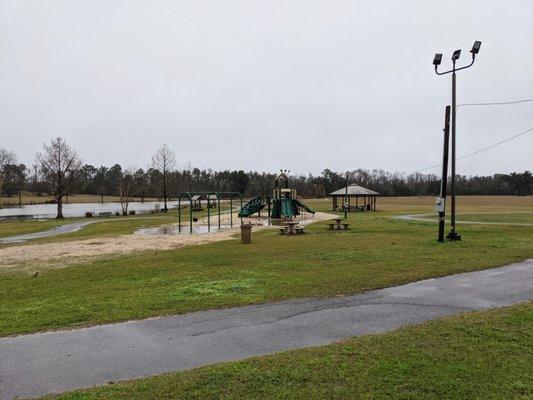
365	199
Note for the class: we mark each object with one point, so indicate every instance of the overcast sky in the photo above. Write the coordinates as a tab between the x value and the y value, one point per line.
262	85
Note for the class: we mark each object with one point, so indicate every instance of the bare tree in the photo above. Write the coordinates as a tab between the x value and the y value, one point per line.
127	185
164	161
60	167
6	158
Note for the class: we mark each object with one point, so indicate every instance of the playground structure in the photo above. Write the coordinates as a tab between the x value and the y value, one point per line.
282	205
213	200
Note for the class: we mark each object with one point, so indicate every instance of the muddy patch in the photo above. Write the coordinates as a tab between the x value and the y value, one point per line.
70	252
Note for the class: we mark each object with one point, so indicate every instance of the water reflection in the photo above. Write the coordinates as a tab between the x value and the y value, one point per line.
44	211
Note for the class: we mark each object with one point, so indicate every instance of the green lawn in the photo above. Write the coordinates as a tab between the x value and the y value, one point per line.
482	355
112	226
14	228
377	252
100	227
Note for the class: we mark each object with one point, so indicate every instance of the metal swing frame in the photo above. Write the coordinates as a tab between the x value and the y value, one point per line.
187	196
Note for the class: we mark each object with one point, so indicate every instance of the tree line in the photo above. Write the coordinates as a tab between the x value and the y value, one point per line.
59	171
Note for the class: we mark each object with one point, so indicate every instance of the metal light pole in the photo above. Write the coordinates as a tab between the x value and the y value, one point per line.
453	235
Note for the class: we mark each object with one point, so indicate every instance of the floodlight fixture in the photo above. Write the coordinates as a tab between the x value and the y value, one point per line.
476	47
456	55
437	60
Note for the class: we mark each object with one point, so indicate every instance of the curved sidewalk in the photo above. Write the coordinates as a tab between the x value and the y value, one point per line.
39	364
424	218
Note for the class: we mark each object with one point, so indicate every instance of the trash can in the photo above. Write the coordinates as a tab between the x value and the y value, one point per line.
246	233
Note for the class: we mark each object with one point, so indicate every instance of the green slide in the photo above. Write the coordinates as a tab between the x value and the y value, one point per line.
287	209
302	205
253	206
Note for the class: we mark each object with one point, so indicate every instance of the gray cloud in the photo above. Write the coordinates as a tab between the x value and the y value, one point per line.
262	85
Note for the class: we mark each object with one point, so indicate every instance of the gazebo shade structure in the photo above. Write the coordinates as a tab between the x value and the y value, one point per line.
365	199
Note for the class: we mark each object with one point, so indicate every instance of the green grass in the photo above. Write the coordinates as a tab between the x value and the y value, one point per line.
378	252
113	226
14	228
100	227
482	355
117	226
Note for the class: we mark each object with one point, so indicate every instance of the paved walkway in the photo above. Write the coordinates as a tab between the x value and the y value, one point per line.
432	218
58	230
38	364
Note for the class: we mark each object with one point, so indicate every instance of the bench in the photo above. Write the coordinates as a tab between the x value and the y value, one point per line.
332	226
283	230
104	214
345	226
299	229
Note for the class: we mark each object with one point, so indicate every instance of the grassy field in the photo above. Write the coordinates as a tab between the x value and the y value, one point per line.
482	355
107	226
102	226
377	252
13	228
508	207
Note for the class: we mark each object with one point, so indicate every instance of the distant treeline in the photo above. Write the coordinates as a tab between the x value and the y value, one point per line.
106	181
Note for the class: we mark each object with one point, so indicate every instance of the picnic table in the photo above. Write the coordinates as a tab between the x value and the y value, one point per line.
338	225
291	228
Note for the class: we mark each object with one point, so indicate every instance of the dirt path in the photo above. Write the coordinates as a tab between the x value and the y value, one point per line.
63	253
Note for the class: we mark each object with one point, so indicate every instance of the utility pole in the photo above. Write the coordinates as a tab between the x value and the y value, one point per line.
441	201
453	235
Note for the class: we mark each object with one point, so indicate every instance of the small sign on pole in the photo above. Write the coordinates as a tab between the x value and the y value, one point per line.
441	200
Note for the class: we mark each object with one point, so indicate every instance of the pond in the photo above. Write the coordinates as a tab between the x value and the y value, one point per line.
44	211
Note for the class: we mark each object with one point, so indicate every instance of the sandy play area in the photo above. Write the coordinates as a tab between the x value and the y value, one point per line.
77	251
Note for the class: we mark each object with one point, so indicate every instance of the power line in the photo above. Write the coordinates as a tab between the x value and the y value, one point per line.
480	150
499	103
496	144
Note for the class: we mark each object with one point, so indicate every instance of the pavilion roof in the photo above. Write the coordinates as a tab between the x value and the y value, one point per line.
354	190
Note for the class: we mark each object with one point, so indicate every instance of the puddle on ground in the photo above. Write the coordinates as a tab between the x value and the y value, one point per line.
202	228
185	229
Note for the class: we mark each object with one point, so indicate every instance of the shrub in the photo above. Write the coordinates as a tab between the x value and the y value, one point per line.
88	214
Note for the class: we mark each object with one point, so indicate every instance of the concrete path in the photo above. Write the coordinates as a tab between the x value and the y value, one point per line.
433	218
38	364
58	230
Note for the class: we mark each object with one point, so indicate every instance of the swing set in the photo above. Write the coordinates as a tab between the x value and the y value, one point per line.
212	198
